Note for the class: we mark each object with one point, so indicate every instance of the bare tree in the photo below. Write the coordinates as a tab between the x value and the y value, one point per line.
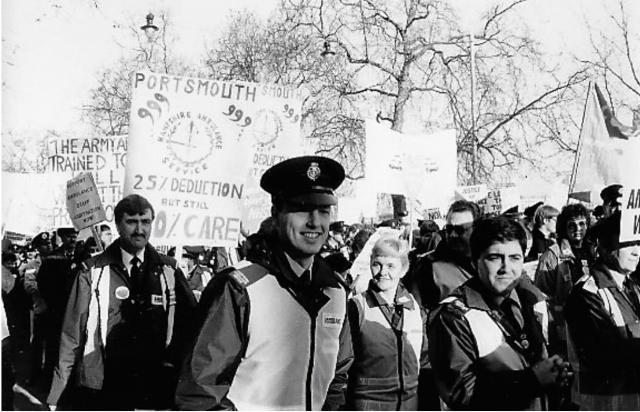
107	109
614	60
400	52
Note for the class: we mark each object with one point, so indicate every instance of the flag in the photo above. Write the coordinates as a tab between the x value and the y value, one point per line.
614	127
597	163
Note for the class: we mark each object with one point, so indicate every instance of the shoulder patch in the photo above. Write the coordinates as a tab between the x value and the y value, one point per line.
454	304
239	277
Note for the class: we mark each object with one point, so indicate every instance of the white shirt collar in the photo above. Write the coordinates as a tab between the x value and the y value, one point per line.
295	266
619	278
126	258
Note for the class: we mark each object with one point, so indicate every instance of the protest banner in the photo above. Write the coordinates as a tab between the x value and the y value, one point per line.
421	167
360	269
630	200
192	146
70	154
83	201
473	193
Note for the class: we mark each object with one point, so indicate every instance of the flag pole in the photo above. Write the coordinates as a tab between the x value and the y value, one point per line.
576	160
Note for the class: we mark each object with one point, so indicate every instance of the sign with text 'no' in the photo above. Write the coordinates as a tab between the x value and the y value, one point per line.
191	150
83	201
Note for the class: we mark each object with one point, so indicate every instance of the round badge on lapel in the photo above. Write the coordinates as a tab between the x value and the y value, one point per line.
122	292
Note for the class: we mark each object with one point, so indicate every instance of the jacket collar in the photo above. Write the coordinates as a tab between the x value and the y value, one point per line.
602	276
112	256
472	294
402	298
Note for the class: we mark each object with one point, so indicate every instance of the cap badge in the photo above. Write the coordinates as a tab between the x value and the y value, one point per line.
45	236
313	172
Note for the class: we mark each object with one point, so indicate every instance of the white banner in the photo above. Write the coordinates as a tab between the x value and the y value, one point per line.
193	144
423	167
68	154
630	200
83	202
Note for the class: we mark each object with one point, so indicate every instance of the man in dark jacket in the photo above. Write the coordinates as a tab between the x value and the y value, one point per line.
127	320
54	279
603	316
437	274
274	335
486	340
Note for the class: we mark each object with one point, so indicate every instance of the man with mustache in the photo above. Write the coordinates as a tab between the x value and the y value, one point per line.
486	340
127	320
274	334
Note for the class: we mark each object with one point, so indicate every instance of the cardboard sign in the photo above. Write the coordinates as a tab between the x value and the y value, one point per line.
83	201
630	221
471	193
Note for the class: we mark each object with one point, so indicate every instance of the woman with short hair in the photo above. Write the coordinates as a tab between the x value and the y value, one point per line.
388	332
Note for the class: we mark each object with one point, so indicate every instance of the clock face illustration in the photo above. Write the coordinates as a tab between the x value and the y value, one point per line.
267	127
190	140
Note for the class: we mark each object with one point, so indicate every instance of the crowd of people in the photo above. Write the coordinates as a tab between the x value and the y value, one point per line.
454	320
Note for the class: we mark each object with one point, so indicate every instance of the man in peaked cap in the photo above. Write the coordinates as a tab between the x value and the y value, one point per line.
274	334
610	196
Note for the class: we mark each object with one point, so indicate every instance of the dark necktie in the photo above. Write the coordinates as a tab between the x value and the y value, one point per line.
629	290
135	273
305	278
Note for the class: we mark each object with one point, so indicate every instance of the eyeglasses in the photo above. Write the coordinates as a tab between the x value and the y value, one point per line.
458	229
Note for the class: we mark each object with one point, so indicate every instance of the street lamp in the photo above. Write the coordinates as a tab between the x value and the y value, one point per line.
327	50
150	29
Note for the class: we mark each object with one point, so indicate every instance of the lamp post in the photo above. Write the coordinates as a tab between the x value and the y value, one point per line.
150	30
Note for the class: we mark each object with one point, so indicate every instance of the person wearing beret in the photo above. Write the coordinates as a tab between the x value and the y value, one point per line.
128	320
274	334
487	339
603	317
54	279
610	196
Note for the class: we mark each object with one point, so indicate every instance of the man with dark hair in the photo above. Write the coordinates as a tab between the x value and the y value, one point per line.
486	340
127	321
274	334
435	275
560	267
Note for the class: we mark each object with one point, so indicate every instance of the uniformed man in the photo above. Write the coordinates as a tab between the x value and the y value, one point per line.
486	340
274	334
54	279
127	320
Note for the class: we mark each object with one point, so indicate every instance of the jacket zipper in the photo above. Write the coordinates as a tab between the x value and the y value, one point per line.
400	371
308	402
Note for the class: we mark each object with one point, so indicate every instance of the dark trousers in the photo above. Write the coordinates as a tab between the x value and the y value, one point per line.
38	339
7	376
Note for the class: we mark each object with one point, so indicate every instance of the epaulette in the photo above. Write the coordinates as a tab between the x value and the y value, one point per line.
245	276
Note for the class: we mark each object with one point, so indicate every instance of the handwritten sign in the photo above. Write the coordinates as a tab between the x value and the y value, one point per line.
83	201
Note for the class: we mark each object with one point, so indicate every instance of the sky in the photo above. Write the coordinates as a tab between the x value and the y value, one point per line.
53	50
